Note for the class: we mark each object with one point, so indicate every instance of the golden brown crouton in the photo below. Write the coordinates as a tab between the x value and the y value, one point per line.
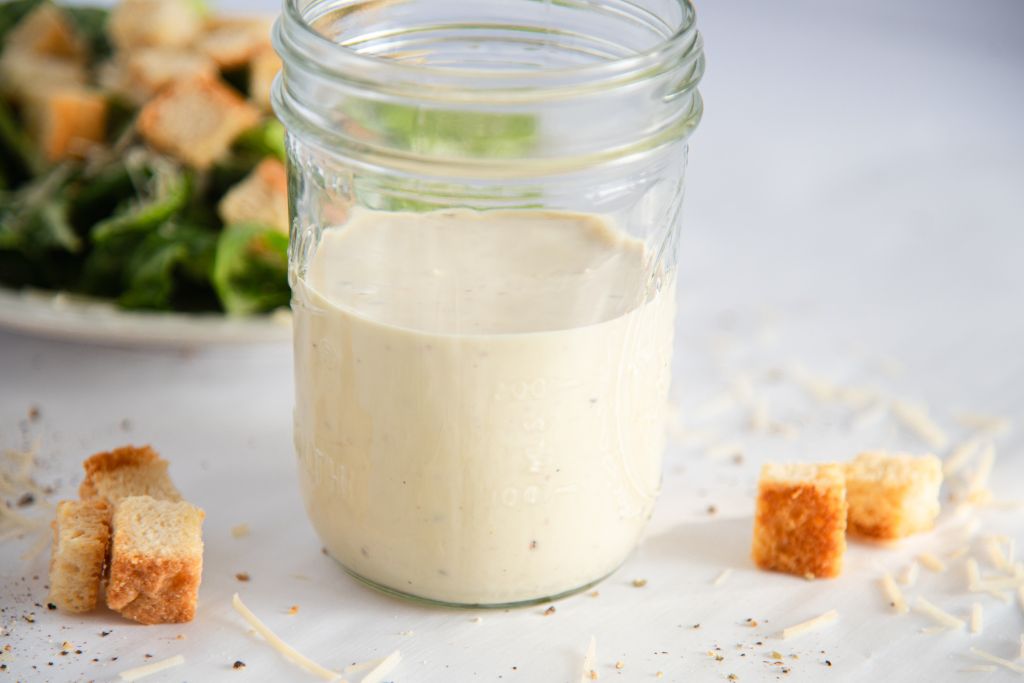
800	523
46	31
140	74
233	43
23	74
262	70
156	560
262	197
164	23
81	536
892	495
196	121
66	122
127	471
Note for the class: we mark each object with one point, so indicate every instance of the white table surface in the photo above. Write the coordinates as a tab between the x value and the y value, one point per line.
856	204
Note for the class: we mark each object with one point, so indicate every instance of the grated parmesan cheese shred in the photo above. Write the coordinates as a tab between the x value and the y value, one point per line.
722	578
726	449
979	479
587	673
870	416
916	419
386	666
989	657
11	533
16	483
819	388
282	647
931	562
957	553
993	425
960	456
937	614
19	519
894	594
995	553
980	669
973	574
810	625
141	672
908	577
1000	583
977	617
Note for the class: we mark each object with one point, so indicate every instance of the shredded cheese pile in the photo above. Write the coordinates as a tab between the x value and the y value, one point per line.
17	469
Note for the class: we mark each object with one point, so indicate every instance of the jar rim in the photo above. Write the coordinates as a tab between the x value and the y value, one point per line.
683	42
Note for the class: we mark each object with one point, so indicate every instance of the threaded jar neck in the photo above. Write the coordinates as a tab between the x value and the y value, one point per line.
475	88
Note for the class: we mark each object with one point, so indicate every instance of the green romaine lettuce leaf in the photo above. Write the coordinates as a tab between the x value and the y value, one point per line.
38	246
91	24
266	139
173	261
169	193
19	159
451	132
250	269
34	219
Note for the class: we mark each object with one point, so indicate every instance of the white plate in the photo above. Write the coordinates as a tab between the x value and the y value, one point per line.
71	317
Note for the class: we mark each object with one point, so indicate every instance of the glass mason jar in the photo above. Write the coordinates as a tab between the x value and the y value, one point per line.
485	207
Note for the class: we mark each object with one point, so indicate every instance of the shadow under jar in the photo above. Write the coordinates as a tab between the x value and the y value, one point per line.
485	205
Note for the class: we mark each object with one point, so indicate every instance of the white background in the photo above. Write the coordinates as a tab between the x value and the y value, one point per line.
856	198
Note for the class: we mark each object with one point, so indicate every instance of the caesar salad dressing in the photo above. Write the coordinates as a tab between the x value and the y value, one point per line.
480	399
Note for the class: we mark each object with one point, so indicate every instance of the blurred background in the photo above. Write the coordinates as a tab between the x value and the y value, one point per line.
862	164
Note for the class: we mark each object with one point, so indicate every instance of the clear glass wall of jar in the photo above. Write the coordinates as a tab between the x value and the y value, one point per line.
485	204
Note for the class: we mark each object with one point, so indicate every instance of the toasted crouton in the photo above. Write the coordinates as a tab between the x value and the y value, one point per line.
261	198
892	495
127	471
800	523
262	70
156	560
161	23
23	74
66	122
46	31
233	43
81	536
140	74
196	121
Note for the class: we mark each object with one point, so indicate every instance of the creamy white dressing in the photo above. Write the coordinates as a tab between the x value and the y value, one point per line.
480	399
